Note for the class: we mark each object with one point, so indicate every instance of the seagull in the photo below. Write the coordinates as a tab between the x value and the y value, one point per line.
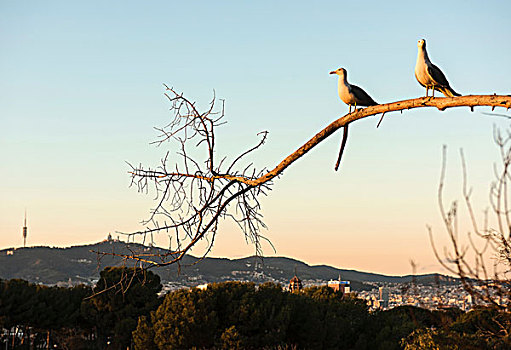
351	94
429	75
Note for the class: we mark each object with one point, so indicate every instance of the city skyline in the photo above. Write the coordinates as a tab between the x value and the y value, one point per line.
82	91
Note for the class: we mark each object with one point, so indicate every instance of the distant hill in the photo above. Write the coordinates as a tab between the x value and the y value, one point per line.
52	265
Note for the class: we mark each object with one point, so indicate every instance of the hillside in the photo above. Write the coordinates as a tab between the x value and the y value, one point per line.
52	265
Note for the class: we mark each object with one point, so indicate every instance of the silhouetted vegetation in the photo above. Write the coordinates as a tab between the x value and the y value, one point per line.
122	295
481	328
69	318
123	311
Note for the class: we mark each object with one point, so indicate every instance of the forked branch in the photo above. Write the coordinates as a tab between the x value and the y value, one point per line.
194	190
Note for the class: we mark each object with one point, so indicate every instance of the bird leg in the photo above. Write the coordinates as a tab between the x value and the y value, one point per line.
433	91
427	90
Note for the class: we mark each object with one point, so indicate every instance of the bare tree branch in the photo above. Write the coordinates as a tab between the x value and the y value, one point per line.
490	285
194	191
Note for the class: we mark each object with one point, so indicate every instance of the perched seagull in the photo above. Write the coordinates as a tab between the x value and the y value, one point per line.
351	94
429	75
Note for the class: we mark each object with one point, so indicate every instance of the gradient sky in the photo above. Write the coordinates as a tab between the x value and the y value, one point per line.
81	90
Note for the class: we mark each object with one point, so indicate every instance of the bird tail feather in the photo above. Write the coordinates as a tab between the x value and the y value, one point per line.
449	92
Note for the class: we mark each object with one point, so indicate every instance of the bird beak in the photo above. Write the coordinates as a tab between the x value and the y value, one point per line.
333	72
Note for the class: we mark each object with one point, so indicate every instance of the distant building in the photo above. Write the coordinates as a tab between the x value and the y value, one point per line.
68	284
110	239
339	285
384	297
202	286
295	284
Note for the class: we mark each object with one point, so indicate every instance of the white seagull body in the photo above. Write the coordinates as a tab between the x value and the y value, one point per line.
351	94
429	75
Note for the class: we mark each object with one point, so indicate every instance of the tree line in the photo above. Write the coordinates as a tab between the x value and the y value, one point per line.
124	311
237	315
40	317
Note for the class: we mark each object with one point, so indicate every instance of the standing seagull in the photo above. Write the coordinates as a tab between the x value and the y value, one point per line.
351	94
429	75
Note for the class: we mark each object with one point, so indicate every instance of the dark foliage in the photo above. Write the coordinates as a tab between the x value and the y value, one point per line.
39	310
121	296
69	319
127	313
246	316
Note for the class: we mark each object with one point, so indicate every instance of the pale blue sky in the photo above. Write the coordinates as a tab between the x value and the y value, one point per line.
81	90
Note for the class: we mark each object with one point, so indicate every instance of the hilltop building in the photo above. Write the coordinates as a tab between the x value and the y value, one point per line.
110	239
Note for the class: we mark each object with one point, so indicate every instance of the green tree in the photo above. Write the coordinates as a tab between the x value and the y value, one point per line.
231	339
121	296
143	335
270	317
242	315
42	311
186	318
388	328
336	320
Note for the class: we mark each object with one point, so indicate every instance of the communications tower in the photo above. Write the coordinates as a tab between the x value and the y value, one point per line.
25	230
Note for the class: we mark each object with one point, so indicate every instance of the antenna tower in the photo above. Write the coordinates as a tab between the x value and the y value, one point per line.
25	230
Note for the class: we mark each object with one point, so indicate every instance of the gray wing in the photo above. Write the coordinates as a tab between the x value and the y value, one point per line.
437	75
362	97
